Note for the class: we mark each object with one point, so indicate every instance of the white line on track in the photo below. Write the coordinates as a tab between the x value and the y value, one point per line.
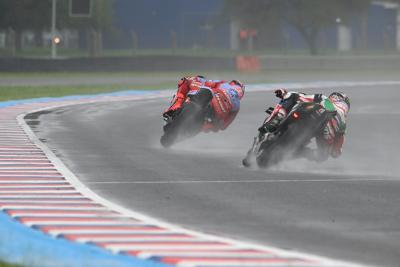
65	201
104	230
33	186
42	196
33	182
122	247
45	207
251	181
64	214
38	222
227	253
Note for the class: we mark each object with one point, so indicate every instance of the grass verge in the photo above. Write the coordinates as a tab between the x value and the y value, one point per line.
15	86
4	264
26	92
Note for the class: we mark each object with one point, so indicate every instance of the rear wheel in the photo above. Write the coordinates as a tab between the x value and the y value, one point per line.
173	129
189	120
202	97
272	151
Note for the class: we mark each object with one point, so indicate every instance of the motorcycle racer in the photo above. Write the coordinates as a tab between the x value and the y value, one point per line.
330	141
224	105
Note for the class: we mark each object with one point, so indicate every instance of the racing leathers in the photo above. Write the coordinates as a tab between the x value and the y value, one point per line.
224	105
330	140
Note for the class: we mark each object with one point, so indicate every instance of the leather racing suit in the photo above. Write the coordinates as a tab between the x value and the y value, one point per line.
225	103
330	141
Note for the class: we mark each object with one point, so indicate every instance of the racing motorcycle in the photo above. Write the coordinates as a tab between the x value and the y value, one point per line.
187	121
290	137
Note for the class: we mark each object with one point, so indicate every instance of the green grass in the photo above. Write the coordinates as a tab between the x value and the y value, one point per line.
160	80
26	92
4	264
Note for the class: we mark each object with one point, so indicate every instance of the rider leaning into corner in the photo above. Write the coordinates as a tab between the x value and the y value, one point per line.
330	141
225	103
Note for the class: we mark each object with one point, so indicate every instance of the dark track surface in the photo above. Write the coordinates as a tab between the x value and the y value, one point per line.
347	208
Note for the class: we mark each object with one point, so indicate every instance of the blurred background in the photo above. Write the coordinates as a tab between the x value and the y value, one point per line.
95	28
216	27
257	41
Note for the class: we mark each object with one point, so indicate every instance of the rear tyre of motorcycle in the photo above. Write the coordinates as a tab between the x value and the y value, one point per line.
197	101
174	129
171	131
202	98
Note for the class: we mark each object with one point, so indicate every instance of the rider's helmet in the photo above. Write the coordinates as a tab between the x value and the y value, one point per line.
340	96
280	93
241	88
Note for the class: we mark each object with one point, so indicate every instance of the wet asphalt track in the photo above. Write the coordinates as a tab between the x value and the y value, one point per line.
347	208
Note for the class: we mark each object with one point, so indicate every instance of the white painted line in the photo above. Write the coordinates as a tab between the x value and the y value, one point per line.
45	207
41	196
65	215
58	192
120	248
207	251
102	231
27	152
9	149
17	155
15	142
23	164
271	180
24	175
38	223
129	238
43	201
22	187
30	171
20	184
23	160
210	253
33	182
